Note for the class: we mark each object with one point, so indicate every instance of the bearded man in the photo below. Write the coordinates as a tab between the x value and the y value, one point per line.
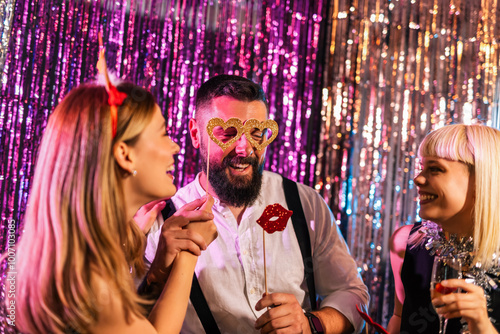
230	273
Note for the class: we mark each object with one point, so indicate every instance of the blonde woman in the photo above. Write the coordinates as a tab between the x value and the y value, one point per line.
96	167
459	194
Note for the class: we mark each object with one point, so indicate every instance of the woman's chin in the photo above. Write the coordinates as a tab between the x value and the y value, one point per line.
169	192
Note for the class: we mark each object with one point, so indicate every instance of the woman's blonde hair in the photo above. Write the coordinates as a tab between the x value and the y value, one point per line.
478	146
75	224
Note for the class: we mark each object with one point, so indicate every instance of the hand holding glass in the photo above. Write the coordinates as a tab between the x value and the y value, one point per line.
444	267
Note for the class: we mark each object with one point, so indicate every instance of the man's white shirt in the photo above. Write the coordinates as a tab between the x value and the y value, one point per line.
231	270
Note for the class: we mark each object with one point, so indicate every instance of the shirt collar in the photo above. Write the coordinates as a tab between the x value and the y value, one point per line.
202	191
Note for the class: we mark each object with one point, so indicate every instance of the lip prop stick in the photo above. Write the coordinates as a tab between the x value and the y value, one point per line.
274	218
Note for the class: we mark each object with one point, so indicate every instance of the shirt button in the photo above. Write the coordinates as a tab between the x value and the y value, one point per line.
252	291
245	252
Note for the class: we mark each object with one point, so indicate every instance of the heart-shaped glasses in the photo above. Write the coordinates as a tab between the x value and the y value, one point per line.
231	130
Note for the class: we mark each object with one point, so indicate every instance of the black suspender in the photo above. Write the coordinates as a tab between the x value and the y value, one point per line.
201	307
302	233
197	298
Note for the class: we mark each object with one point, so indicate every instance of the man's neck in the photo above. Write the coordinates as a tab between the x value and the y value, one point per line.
206	186
237	211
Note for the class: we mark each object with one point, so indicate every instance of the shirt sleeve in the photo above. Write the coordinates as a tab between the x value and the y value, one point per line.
336	276
152	239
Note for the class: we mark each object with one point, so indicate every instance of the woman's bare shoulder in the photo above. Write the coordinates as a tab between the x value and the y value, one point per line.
399	239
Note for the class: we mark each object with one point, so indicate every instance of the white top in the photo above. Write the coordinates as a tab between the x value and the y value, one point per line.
231	274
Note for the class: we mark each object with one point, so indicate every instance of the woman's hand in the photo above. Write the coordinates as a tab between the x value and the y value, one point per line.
146	215
470	305
175	237
206	229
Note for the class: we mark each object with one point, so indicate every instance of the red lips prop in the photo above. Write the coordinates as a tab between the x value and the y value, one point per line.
280	214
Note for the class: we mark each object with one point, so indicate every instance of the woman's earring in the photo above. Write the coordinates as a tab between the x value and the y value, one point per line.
134	172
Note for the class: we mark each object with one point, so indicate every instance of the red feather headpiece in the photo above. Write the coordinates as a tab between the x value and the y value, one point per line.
115	97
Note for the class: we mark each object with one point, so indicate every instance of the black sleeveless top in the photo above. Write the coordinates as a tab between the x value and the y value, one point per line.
418	315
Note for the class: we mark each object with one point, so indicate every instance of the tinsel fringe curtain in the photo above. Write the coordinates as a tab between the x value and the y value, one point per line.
353	85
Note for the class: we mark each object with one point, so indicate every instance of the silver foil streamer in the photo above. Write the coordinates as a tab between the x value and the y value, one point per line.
6	14
396	70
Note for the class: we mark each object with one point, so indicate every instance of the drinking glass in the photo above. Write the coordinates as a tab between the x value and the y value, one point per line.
444	267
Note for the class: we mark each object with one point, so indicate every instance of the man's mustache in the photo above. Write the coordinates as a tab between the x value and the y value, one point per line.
236	160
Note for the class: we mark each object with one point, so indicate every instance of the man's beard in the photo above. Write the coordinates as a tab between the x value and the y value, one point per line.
237	191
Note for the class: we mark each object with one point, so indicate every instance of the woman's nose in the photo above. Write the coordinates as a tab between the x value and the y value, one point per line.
176	147
419	179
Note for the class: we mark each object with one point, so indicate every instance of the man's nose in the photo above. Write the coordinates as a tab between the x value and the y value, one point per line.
243	146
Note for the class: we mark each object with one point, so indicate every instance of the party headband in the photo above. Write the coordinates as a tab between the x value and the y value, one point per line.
115	97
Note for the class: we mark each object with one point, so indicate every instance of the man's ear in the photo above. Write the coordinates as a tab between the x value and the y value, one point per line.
195	133
124	156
